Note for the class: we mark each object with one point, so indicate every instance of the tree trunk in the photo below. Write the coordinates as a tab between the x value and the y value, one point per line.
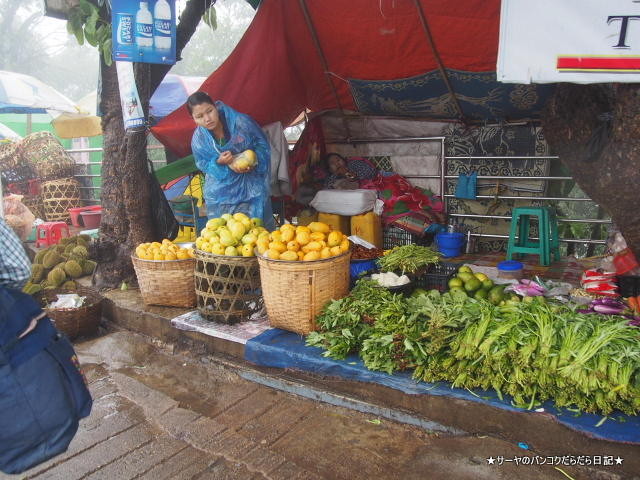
604	161
125	199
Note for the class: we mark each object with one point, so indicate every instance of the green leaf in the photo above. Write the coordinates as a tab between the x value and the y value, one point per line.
87	8
375	421
91	24
210	17
106	52
79	36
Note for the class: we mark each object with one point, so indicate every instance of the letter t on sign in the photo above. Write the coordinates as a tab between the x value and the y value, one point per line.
622	38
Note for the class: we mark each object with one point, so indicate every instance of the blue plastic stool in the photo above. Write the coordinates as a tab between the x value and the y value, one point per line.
519	241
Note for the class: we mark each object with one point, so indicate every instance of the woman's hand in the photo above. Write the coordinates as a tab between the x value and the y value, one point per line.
237	170
225	158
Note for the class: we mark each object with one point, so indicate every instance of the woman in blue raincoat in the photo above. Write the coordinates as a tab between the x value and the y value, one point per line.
222	133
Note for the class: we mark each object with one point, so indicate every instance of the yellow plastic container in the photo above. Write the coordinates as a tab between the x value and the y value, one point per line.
336	222
367	226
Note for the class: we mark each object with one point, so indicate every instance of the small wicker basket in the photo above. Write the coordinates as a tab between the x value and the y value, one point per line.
166	282
58	197
227	287
75	322
295	292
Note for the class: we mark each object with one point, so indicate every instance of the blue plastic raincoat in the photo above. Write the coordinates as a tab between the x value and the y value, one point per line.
226	191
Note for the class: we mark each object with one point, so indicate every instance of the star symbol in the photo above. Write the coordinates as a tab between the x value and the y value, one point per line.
619	460
491	460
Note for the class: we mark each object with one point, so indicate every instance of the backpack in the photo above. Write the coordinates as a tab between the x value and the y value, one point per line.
43	393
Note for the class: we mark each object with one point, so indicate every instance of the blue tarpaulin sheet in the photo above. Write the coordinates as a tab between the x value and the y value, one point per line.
281	349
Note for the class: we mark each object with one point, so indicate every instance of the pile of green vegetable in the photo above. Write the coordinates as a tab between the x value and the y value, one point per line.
408	259
532	351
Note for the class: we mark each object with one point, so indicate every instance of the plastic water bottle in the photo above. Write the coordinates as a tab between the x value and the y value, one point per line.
162	25
124	33
144	26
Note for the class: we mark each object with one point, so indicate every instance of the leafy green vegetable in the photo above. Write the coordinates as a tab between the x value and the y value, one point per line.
408	259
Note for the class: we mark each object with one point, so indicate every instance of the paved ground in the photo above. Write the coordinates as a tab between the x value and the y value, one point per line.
162	415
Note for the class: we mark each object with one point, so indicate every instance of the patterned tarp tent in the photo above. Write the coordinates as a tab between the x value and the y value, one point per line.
408	58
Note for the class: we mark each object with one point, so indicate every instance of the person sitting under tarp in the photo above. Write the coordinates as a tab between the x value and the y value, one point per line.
347	173
222	133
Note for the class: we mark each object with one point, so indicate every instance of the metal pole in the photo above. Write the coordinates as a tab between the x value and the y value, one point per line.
443	173
436	55
323	61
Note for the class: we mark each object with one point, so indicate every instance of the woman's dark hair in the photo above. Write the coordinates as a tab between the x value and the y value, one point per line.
198	98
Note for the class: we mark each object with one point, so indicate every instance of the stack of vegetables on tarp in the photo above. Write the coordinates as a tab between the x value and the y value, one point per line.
514	340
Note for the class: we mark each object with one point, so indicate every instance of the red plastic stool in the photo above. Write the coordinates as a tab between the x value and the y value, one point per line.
50	233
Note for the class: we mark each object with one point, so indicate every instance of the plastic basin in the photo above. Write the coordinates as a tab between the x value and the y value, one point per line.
91	218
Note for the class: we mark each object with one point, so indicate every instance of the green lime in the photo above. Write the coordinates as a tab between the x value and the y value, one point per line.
472	284
487	284
481	294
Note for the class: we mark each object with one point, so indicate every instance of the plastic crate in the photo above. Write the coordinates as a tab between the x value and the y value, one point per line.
395	237
438	276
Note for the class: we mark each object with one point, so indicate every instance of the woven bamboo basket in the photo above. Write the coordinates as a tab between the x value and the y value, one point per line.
166	282
9	155
46	155
75	322
35	204
227	287
58	196
295	292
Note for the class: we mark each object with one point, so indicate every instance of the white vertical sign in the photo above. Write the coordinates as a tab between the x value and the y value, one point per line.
132	112
579	41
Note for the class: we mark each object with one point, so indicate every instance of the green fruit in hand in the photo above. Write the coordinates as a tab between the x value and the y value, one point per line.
472	285
455	282
465	269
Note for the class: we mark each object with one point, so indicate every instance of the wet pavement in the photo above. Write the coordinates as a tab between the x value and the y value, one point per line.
161	414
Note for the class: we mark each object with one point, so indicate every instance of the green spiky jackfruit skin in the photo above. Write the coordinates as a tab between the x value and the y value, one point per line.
40	256
73	269
69	285
61	264
88	267
80	252
56	277
60	248
31	288
37	273
67	241
68	249
51	259
81	242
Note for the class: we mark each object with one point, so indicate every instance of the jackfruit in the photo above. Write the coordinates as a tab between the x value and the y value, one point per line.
40	256
31	288
73	269
60	248
51	259
69	285
67	241
37	273
88	267
81	242
56	277
80	252
69	248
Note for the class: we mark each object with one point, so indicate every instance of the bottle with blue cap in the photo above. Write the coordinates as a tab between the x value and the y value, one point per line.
510	269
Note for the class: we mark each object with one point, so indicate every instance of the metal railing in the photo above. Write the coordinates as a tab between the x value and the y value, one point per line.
442	177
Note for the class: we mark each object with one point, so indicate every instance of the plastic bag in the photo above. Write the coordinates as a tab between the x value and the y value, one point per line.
166	225
18	216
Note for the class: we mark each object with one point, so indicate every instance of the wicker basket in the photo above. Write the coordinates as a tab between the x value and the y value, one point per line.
227	288
58	197
46	156
75	322
166	282
295	292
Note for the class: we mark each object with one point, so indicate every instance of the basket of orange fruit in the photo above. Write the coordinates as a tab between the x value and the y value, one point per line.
165	273
301	269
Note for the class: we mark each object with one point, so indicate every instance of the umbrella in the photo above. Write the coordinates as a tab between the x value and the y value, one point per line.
171	93
25	94
190	185
85	123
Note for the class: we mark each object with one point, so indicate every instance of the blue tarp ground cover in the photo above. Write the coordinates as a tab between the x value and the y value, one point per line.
281	349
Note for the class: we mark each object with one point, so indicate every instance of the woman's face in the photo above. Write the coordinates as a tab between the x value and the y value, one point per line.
206	115
336	164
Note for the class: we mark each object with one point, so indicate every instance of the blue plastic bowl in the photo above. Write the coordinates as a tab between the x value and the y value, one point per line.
358	268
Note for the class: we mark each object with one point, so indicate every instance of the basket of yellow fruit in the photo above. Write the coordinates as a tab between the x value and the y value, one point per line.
165	274
227	276
302	268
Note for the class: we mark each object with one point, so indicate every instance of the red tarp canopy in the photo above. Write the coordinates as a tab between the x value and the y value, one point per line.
276	72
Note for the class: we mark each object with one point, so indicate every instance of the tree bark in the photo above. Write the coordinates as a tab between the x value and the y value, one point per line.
125	199
604	162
